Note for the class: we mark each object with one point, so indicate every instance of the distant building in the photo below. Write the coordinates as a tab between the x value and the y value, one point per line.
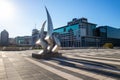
23	40
4	38
108	35
35	36
77	33
12	41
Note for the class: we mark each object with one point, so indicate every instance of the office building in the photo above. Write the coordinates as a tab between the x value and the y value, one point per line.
108	35
12	41
77	33
4	38
23	40
35	36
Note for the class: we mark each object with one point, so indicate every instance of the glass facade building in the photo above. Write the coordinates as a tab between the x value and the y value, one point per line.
77	33
108	32
108	35
23	40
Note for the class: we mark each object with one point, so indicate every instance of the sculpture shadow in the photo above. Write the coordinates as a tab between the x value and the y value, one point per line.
85	63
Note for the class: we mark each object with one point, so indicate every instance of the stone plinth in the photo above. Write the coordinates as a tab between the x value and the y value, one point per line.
45	56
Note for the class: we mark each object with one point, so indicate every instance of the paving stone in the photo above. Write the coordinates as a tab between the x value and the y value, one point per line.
30	78
10	75
14	78
40	77
3	76
26	76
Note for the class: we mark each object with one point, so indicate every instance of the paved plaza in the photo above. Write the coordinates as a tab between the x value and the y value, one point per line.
75	64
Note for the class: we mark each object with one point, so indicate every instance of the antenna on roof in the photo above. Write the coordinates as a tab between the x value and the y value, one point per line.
35	26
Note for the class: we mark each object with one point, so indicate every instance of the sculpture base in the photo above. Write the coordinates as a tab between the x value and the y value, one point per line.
46	56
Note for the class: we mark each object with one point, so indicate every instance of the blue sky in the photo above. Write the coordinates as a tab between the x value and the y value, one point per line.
27	13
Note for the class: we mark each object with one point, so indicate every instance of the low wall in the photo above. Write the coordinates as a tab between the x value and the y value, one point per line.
14	48
69	48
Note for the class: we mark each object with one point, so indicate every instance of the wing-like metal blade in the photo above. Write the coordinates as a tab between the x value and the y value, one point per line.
41	41
48	37
42	30
50	24
57	44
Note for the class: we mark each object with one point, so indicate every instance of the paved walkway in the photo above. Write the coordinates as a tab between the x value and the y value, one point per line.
19	65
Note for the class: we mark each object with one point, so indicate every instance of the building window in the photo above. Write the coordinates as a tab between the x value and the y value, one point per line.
64	29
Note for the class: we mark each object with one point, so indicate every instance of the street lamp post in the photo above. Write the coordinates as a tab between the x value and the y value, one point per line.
97	44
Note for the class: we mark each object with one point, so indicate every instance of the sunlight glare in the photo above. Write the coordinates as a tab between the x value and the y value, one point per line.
6	9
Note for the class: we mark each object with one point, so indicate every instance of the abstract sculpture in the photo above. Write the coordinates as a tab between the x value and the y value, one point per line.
49	42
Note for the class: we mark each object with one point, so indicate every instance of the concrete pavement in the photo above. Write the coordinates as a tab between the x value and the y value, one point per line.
19	65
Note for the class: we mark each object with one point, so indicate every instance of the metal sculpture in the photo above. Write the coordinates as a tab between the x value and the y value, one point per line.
49	42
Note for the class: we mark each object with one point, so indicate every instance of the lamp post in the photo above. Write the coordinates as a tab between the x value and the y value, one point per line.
97	45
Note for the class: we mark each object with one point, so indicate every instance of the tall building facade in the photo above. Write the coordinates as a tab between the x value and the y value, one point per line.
4	38
35	36
77	33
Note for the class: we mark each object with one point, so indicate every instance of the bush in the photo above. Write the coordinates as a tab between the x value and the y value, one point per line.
108	45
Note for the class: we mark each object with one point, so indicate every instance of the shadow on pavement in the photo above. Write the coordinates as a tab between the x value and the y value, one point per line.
86	62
